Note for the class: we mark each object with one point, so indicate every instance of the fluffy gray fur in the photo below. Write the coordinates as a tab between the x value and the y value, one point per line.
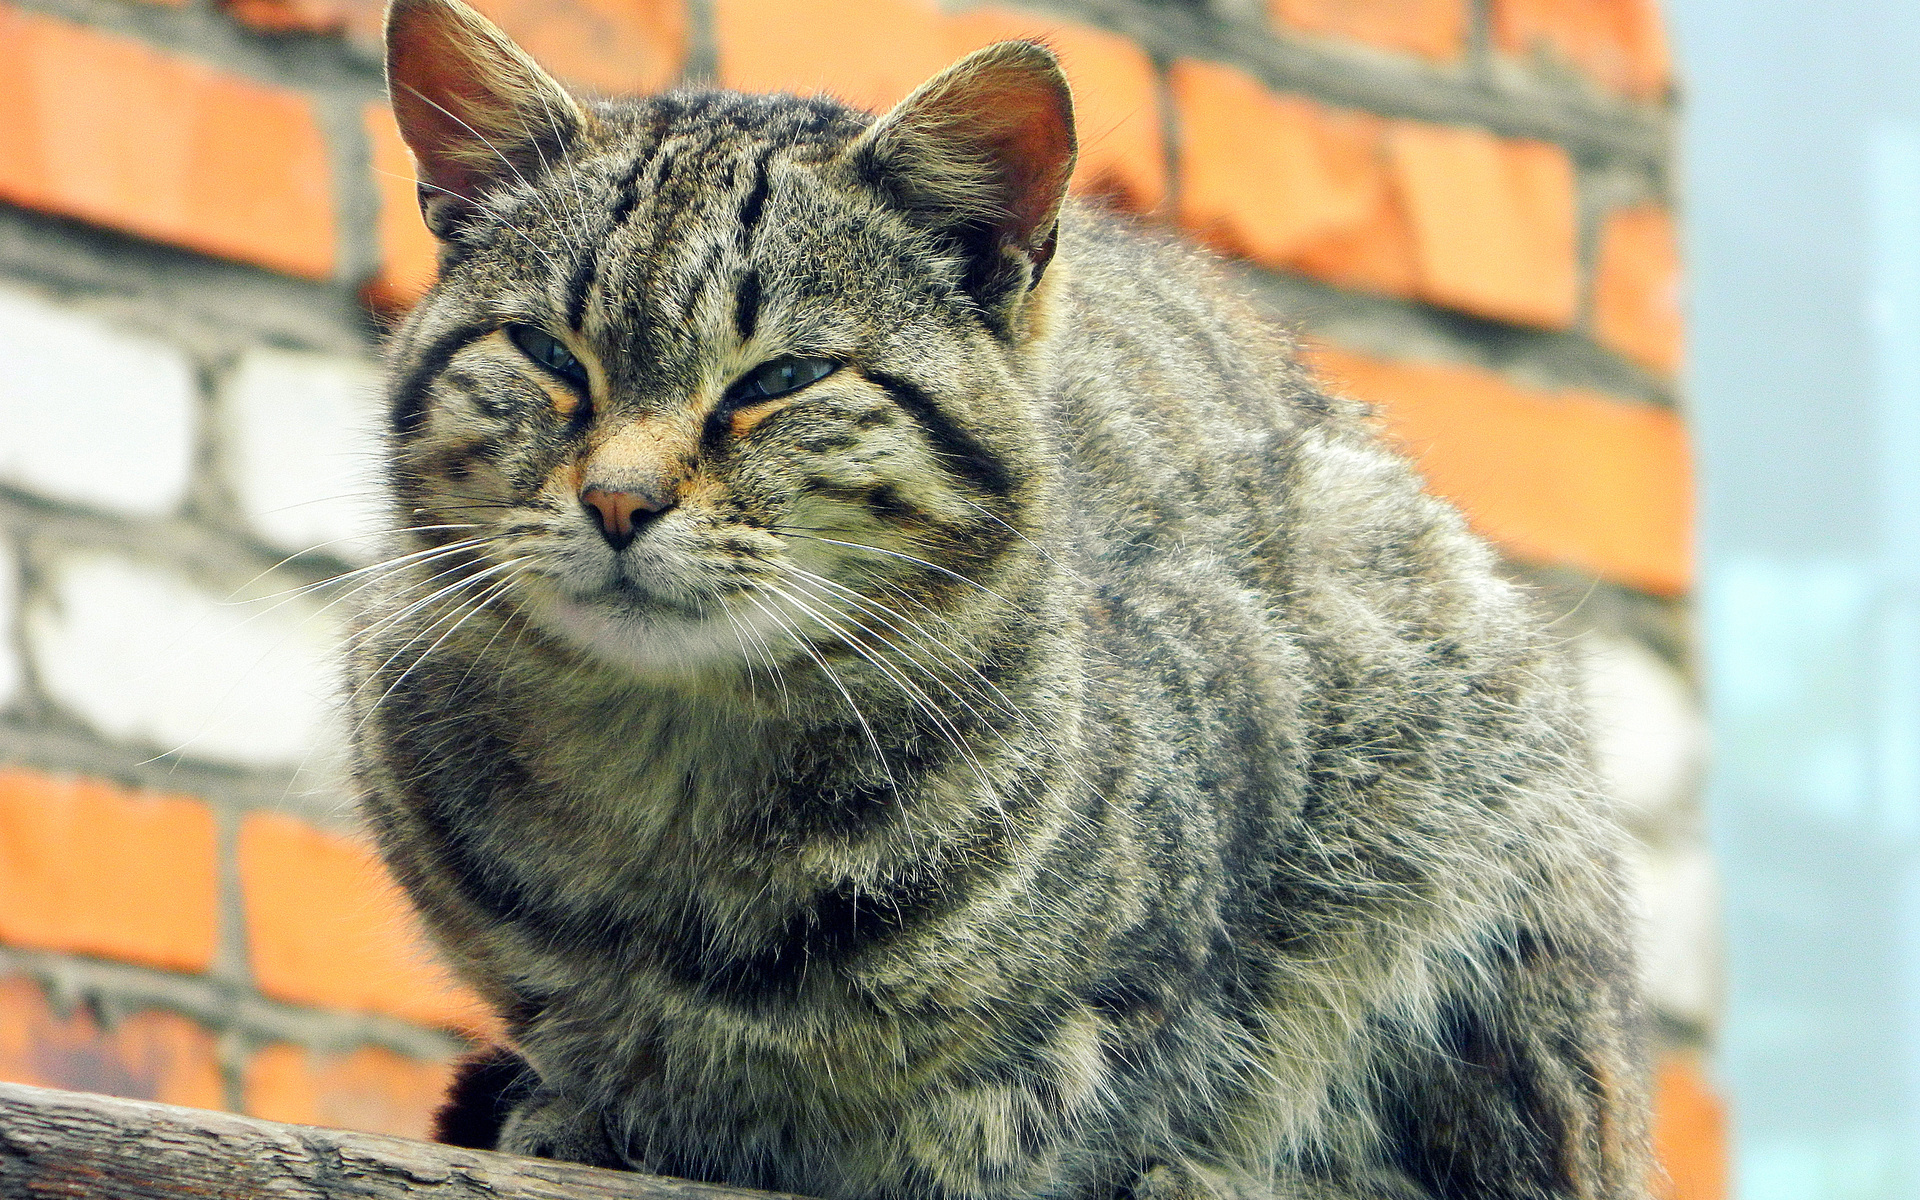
1058	752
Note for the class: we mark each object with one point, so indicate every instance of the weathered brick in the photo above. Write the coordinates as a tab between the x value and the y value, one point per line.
1376	255
1287	182
9	608
304	450
1564	477
1455	216
1676	890
408	253
1435	29
604	46
149	1055
357	19
327	926
1493	220
91	868
109	130
1115	99
1619	44
800	46
1689	1132
371	1089
869	53
142	655
93	413
1636	288
1648	735
613	47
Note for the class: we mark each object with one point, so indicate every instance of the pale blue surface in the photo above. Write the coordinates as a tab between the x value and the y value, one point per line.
1802	164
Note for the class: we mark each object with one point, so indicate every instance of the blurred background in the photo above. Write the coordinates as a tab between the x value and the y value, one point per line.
1473	212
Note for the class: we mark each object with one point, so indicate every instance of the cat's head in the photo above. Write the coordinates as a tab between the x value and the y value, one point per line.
706	372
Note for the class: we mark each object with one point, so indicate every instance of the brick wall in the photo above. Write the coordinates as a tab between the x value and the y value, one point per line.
206	218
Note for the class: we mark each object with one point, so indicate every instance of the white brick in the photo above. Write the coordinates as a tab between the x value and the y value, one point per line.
1647	730
9	608
305	451
146	657
90	412
1677	890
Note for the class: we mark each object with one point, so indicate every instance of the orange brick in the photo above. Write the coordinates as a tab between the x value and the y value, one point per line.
370	1089
1636	288
359	20
327	926
147	1056
828	46
1435	29
1115	101
1288	182
1376	255
91	868
408	253
1620	44
869	53
605	46
106	129
1566	477
610	47
1689	1133
1493	222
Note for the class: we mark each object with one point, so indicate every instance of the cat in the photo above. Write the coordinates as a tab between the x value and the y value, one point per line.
897	684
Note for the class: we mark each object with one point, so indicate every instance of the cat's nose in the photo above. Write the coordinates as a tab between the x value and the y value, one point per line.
622	514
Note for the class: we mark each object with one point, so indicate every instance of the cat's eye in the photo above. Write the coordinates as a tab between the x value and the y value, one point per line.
546	350
779	376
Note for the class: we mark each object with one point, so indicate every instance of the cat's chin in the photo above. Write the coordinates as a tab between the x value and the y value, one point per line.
663	643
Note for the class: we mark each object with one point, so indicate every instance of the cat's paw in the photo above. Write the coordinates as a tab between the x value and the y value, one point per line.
546	1125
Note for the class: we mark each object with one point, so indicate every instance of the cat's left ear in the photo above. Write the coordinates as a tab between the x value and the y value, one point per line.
983	151
473	107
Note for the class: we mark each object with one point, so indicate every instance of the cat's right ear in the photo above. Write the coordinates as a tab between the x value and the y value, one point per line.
983	151
472	106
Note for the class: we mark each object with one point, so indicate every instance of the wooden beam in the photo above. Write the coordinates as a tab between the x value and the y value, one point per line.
73	1144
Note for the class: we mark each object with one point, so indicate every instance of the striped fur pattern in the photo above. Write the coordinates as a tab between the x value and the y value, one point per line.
1057	753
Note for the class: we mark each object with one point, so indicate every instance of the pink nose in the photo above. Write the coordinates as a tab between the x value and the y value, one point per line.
621	513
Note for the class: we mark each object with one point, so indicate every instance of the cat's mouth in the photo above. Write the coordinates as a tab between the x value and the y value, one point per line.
646	619
625	624
638	590
681	603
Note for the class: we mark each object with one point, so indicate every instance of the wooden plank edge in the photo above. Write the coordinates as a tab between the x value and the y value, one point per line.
72	1144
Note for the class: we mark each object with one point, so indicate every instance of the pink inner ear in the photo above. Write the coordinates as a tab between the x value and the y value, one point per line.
461	94
437	102
1008	107
1032	141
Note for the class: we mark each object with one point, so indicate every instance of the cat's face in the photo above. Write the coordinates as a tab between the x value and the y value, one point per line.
709	379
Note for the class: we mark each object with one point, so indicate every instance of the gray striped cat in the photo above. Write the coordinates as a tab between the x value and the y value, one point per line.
898	686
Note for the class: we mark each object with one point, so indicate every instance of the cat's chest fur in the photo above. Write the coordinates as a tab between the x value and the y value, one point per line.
742	923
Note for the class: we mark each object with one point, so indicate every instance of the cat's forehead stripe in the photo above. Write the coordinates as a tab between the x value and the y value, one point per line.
746	302
674	246
755	203
691	166
652	160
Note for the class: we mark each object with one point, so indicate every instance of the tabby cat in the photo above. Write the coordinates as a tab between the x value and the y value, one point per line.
897	685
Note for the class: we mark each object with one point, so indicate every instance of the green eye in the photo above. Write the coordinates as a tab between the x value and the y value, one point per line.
778	377
548	352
